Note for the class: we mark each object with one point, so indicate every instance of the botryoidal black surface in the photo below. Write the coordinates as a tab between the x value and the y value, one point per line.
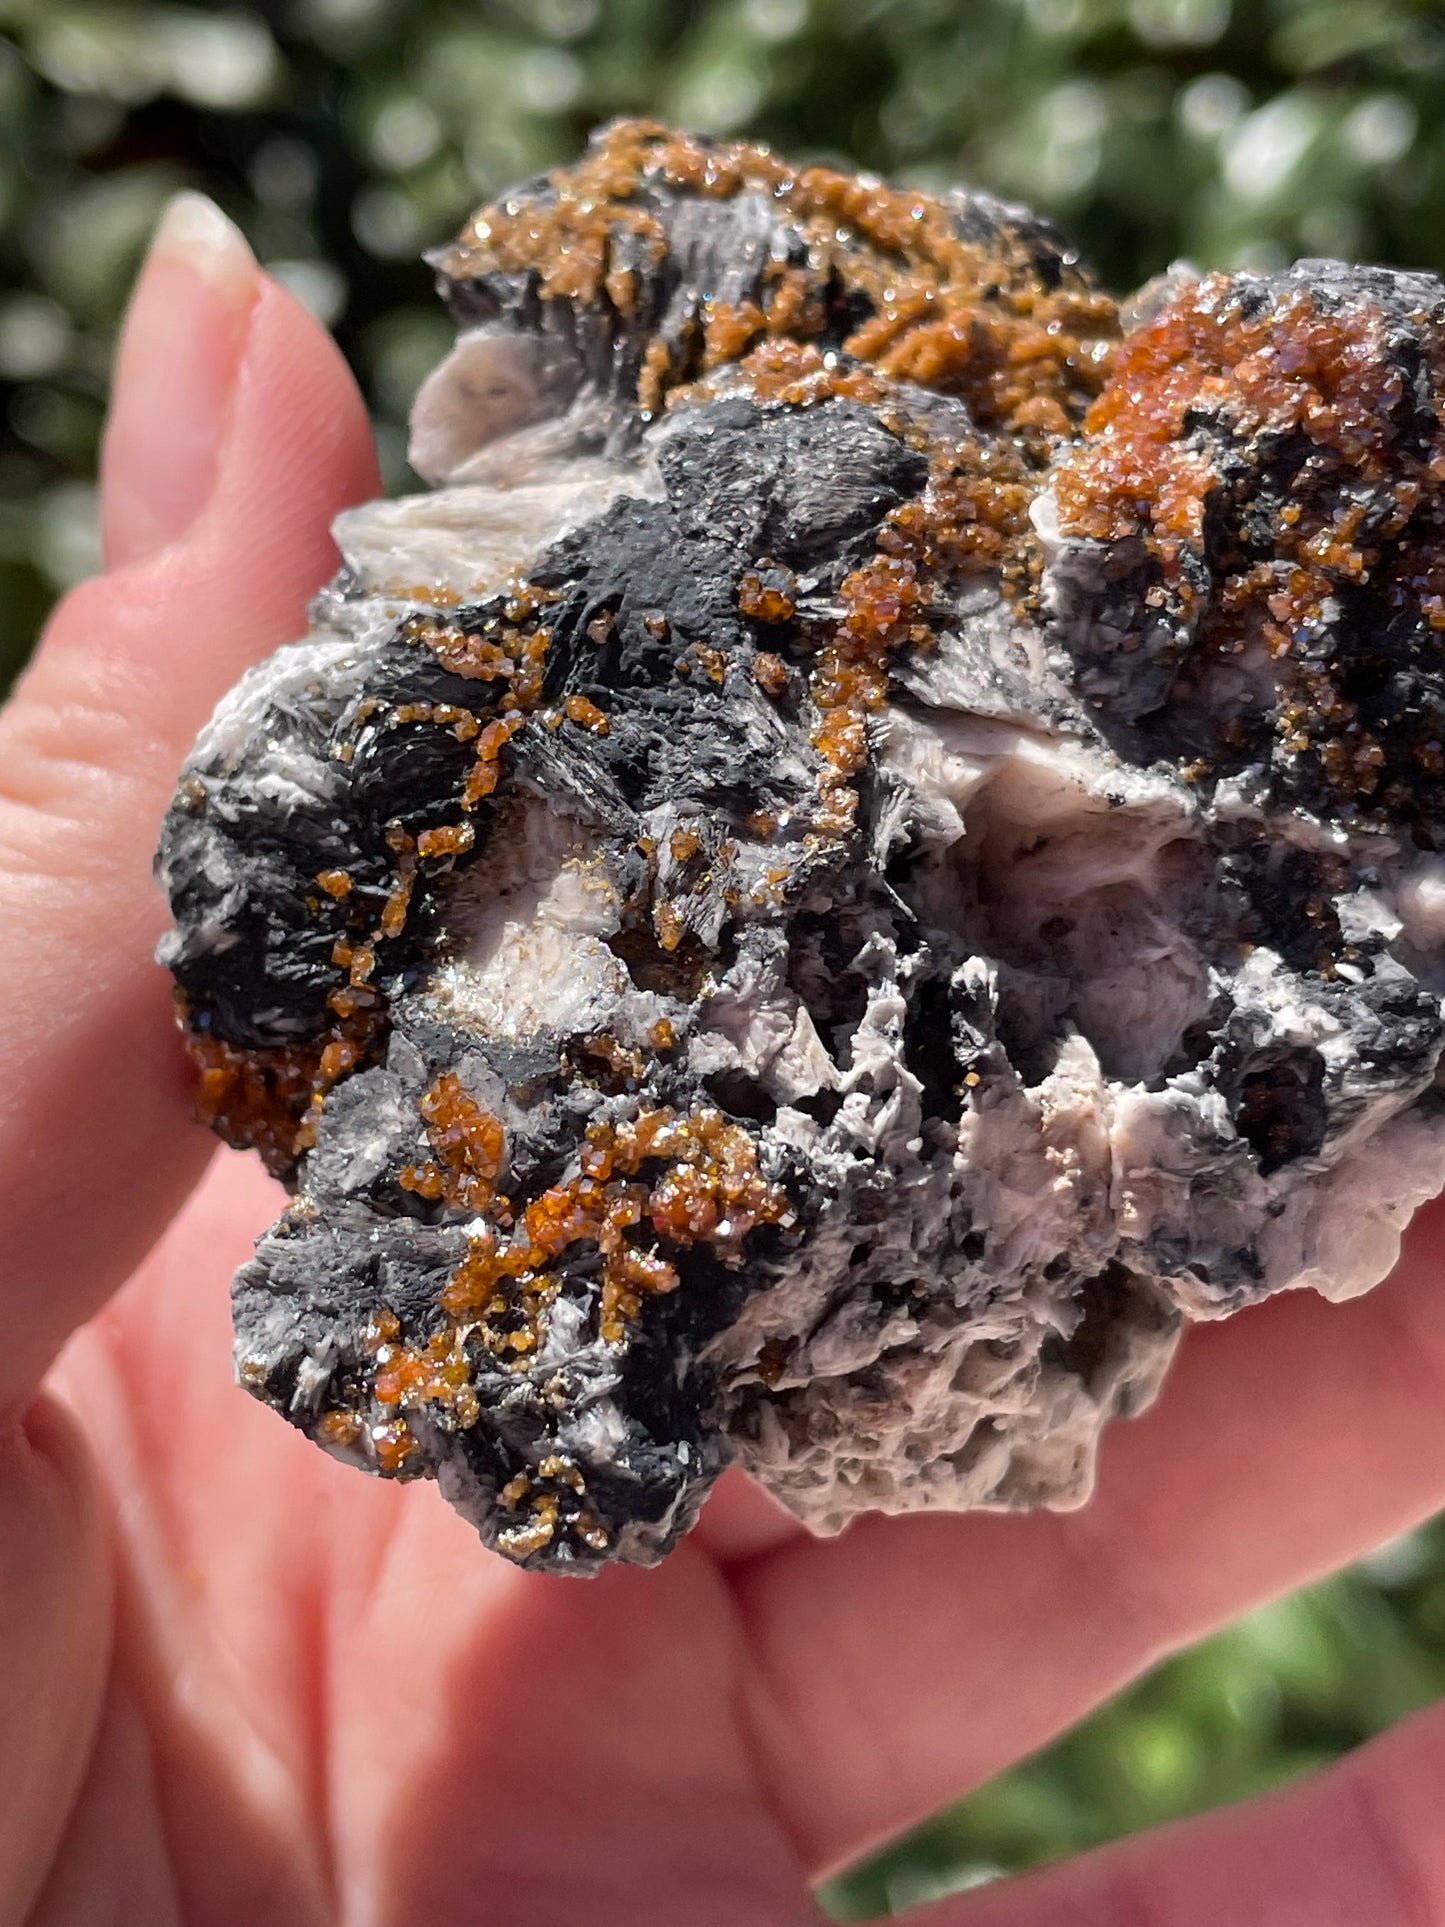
871	846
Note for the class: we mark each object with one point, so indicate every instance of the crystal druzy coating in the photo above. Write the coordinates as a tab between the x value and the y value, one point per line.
874	843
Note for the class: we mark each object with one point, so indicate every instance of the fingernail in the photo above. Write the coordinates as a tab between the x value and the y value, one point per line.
175	375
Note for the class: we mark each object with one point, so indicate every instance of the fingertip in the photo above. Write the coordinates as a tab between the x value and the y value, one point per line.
160	638
175	377
301	450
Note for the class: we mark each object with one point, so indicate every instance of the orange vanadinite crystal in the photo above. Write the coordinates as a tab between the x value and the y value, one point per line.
462	722
668	923
469	1146
448	839
393	911
728	330
578	709
770	672
764	601
340	1429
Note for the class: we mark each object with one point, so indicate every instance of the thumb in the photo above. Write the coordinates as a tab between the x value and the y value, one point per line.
175	380
236	434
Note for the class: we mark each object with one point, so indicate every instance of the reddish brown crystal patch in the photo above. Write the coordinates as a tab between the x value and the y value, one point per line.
253	1099
342	1430
580	710
766	594
469	1145
508	649
269	1101
971	518
1286	367
770	672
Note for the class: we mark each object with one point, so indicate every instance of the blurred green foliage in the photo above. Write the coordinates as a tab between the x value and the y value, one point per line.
346	135
1278	1694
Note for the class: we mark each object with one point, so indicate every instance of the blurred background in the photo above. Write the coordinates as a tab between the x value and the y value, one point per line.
346	135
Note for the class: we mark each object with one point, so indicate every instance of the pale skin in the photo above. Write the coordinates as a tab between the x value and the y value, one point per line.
246	1685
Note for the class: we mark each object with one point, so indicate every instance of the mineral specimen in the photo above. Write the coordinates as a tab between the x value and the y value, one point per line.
875	843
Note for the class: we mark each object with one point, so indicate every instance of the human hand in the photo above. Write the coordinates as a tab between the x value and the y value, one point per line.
246	1686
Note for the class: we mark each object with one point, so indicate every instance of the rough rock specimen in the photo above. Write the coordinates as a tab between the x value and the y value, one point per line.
875	842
